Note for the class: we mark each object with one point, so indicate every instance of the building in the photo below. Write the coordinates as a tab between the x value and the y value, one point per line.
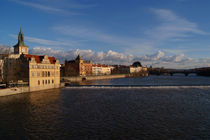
37	72
135	68
98	69
1	70
78	67
20	47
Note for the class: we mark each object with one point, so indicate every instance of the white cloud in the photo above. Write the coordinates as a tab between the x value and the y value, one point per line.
153	57
93	35
56	6
173	27
159	59
5	49
48	42
109	57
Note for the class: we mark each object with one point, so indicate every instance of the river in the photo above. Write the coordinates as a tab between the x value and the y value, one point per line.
154	107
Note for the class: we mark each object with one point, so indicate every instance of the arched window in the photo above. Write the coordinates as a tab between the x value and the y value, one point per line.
38	82
48	74
45	81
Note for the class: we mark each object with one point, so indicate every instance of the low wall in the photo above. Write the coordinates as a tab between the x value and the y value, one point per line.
12	91
17	90
99	77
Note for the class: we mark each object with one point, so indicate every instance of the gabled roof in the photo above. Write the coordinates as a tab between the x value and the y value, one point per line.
39	58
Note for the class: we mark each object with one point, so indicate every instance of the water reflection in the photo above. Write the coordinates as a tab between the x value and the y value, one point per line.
177	79
103	113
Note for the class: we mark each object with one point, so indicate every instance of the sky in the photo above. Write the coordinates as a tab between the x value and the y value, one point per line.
161	33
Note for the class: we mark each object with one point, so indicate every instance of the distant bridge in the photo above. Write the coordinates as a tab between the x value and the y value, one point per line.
185	72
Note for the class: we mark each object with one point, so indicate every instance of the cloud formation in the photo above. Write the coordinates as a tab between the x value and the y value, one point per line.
62	7
159	59
48	42
173	27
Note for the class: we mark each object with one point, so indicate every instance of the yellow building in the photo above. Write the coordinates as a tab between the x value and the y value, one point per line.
38	72
98	69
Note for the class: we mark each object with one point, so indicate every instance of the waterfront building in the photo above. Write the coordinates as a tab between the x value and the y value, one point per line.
78	67
98	69
135	68
1	70
37	72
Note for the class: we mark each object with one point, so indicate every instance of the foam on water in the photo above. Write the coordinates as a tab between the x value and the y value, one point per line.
136	87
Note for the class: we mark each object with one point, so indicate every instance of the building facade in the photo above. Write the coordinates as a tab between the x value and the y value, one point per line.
78	67
98	69
136	68
38	72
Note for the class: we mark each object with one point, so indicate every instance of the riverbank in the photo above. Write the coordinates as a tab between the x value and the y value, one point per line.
18	90
100	77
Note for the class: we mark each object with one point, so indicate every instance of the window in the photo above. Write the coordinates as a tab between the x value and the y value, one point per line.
48	81
45	81
38	82
48	74
38	74
32	74
52	81
43	74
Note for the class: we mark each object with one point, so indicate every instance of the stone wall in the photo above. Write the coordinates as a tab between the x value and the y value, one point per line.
12	91
101	77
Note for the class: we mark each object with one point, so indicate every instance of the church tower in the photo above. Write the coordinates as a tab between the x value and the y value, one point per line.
20	47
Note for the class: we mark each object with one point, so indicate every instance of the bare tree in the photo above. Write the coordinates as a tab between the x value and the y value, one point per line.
5	49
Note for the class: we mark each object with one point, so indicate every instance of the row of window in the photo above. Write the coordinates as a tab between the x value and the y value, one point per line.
45	82
44	74
44	67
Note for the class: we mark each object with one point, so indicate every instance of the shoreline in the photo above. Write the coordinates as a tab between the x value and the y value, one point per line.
98	77
19	90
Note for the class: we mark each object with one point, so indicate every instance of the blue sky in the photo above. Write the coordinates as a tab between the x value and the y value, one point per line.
166	33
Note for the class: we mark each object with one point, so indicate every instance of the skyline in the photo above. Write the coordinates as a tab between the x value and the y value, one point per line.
169	34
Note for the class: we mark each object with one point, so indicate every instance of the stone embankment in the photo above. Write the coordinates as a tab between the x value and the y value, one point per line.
17	90
12	91
99	77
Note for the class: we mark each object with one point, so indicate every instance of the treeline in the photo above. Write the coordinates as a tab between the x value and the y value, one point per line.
158	71
203	71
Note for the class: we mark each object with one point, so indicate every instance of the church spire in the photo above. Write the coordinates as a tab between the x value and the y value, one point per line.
21	38
20	47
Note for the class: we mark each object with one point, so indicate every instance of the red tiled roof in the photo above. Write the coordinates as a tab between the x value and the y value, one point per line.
39	58
99	65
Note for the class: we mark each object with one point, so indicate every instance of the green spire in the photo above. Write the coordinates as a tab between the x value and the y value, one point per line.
21	30
21	38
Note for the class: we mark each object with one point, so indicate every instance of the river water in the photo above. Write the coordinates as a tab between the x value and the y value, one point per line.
155	107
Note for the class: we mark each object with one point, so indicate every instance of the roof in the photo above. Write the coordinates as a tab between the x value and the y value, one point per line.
99	65
79	57
38	58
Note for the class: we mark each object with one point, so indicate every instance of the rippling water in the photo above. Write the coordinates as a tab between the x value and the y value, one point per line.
98	113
